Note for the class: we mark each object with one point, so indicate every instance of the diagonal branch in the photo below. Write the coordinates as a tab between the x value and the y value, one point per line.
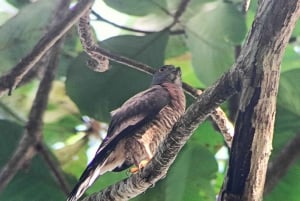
100	18
26	148
157	168
13	78
54	167
218	115
51	59
99	54
181	8
98	62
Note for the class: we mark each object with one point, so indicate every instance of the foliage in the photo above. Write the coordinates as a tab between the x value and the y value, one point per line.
212	30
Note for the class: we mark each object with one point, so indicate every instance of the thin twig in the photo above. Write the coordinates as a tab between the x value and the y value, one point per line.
54	168
12	79
225	126
281	164
33	130
32	133
100	18
15	116
181	8
98	62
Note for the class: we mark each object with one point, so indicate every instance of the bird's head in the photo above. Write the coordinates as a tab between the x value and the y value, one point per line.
167	73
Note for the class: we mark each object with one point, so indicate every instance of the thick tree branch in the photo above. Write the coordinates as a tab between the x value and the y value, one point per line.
260	63
12	79
279	166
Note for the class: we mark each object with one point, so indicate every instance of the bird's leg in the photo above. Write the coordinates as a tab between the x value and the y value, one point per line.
140	165
143	163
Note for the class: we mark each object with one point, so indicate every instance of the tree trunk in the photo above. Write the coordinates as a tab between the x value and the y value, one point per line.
260	61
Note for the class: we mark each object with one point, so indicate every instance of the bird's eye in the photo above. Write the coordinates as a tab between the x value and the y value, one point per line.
162	69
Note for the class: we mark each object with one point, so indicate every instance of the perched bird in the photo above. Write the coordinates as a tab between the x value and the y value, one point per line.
137	128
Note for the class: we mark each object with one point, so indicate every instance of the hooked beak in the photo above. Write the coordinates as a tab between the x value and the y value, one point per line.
178	70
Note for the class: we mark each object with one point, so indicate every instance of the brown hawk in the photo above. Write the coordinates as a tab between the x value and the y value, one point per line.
137	128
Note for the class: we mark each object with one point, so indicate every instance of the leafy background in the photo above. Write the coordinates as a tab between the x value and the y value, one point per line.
212	30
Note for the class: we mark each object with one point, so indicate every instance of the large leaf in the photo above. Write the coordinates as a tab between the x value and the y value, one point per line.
291	58
188	74
289	93
34	182
19	3
288	188
137	7
19	34
212	34
189	178
176	46
96	94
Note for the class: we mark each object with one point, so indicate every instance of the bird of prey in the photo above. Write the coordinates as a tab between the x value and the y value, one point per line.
137	128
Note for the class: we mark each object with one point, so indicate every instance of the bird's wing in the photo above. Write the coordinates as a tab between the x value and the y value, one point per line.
133	114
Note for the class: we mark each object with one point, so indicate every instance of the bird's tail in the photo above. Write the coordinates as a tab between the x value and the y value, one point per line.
86	180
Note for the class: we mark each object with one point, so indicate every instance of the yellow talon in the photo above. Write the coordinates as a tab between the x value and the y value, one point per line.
142	164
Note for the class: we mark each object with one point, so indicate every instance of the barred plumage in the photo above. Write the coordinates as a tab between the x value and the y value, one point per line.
137	128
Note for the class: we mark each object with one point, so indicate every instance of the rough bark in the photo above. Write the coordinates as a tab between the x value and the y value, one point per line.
260	63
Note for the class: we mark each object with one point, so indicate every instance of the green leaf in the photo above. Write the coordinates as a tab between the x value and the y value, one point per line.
71	49
212	34
19	3
189	178
60	131
137	7
188	75
206	136
176	46
289	94
288	188
290	59
34	182
96	94
19	104
296	31
19	34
